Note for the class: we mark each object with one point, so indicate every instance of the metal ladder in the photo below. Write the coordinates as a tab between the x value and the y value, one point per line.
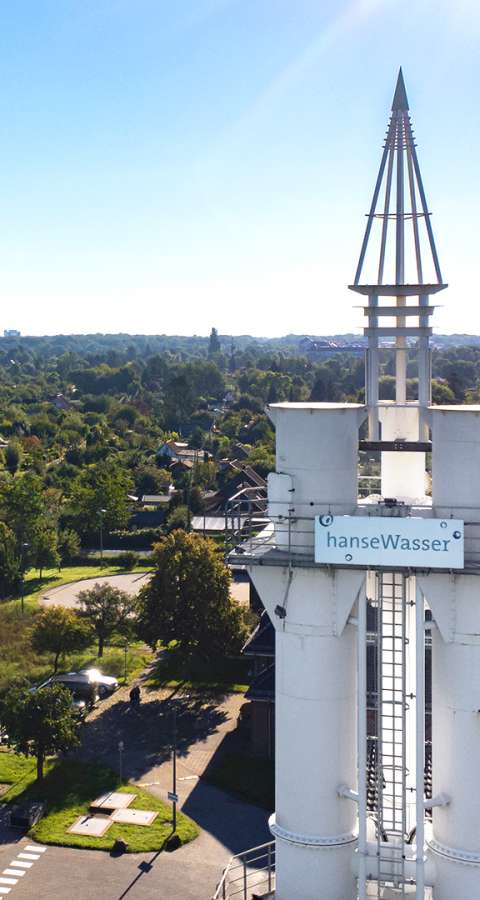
391	719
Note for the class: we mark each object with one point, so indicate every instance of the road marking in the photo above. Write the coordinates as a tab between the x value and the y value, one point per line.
36	848
28	856
13	872
4	890
21	864
8	880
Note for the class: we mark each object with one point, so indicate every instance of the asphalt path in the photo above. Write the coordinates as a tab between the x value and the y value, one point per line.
67	594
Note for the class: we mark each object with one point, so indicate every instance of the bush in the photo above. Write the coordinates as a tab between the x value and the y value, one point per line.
127	560
141	539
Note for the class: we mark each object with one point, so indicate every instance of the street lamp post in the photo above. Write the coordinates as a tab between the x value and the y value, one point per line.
25	547
101	513
121	747
174	760
125	661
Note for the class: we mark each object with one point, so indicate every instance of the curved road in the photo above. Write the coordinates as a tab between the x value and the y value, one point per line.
67	594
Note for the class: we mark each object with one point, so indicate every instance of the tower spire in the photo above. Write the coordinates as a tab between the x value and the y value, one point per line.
400	101
404	265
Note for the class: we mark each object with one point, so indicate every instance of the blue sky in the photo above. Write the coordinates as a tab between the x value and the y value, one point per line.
169	166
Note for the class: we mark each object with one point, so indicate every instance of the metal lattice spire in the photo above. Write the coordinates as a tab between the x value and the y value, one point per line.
405	262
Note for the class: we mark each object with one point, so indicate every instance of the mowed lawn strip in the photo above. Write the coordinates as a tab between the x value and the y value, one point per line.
68	790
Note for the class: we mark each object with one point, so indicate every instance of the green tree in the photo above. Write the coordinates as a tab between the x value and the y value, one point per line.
68	545
59	631
44	548
107	609
214	345
442	394
188	599
13	456
23	501
151	480
101	491
42	723
179	517
9	562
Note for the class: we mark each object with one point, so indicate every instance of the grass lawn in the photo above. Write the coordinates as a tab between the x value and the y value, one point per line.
17	659
69	788
174	670
15	769
248	777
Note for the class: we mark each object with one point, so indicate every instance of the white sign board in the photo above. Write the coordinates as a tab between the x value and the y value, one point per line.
389	541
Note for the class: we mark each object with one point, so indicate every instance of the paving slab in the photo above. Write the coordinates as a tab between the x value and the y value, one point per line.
96	826
134	816
113	800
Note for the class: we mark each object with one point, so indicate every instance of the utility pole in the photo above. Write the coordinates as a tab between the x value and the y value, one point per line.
101	514
174	784
25	547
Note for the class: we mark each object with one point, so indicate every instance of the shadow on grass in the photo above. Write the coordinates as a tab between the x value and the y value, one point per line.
35	584
174	668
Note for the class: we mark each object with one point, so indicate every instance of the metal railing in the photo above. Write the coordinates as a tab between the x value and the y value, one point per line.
249	875
283	530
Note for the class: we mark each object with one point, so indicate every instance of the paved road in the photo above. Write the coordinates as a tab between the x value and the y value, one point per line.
190	873
67	594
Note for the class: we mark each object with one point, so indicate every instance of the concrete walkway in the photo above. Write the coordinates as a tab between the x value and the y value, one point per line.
203	722
192	872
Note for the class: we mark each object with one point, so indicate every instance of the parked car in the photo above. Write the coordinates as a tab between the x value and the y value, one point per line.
89	680
80	703
106	684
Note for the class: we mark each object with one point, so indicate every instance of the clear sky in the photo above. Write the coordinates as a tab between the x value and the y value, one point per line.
169	165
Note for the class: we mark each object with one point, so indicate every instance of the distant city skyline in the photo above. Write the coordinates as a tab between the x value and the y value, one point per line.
169	167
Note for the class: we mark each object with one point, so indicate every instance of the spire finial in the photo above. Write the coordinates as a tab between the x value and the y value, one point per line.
400	101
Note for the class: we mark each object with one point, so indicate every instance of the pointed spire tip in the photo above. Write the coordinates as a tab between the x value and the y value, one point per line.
400	101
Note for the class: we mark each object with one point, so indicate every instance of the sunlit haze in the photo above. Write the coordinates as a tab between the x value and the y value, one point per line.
166	167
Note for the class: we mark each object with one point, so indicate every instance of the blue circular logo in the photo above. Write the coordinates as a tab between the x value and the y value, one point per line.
326	520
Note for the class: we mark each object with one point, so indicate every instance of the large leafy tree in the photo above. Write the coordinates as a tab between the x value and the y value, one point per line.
101	492
188	599
9	562
107	610
59	631
41	723
44	550
23	505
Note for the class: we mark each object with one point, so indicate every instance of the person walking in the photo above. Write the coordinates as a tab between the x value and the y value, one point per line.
135	697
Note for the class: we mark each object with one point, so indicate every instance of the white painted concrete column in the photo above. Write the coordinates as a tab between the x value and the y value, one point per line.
455	842
403	474
315	709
